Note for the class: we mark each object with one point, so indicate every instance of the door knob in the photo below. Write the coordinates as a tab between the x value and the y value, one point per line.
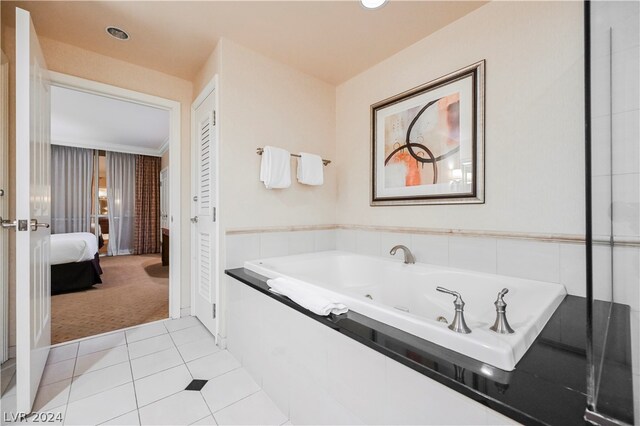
35	225
194	219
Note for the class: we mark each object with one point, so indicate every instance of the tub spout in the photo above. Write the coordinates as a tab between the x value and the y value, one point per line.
408	256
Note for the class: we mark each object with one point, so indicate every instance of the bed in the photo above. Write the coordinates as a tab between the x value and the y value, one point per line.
75	263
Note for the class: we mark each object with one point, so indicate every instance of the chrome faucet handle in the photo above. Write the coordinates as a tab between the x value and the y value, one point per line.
501	325
458	324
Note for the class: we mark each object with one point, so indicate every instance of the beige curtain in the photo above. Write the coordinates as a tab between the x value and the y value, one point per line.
147	226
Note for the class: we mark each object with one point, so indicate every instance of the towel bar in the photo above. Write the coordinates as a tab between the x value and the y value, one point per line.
260	150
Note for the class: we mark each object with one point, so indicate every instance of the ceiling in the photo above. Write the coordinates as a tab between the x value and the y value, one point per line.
94	121
331	40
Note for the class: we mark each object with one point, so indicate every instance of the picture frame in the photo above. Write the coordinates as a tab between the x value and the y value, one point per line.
427	144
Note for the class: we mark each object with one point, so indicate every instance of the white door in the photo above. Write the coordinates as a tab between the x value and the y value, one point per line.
164	198
4	207
33	213
205	151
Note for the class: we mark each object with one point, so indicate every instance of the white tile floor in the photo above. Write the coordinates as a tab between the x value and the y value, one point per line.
138	377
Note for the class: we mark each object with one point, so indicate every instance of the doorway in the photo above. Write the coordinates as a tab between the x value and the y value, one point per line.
136	287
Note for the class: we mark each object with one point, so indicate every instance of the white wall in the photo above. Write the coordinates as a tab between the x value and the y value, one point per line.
534	120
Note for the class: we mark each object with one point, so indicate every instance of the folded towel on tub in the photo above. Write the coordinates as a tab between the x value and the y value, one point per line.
307	298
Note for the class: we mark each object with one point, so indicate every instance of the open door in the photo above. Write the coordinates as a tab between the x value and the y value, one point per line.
4	207
205	149
33	213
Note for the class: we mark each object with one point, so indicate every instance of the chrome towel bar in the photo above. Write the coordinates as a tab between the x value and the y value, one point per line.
259	151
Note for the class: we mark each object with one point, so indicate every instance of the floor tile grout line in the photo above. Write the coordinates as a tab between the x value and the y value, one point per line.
209	354
66	407
158	372
180	329
135	393
97	393
186	365
101	368
107	390
208	407
181	357
161	399
119	415
154	352
235	402
231	371
90	371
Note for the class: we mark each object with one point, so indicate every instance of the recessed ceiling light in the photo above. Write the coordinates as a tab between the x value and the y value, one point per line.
118	33
372	4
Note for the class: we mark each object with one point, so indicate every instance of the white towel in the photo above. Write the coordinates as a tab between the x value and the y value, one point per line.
306	298
310	169
275	168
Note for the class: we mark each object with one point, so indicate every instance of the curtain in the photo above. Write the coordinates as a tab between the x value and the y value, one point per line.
147	223
71	189
121	175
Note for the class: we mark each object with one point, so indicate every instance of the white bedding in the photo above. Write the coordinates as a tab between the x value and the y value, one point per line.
73	247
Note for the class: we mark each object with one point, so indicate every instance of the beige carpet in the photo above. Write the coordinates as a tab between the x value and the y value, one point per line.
134	290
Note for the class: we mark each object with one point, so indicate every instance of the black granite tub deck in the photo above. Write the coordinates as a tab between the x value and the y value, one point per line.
548	385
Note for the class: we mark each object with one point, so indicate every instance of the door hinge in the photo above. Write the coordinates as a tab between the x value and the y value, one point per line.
214	311
214	118
214	214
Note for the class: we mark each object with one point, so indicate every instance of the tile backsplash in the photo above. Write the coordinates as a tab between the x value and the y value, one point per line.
551	261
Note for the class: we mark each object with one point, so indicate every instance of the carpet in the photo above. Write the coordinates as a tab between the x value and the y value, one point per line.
134	290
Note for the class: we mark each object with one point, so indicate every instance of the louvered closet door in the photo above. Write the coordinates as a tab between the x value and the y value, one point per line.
206	194
205	237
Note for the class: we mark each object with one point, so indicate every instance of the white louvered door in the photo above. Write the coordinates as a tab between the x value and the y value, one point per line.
205	256
33	212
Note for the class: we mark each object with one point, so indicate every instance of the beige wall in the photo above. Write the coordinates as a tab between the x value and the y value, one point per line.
210	68
534	120
263	102
82	63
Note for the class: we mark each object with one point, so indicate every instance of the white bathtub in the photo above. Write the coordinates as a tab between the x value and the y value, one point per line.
405	297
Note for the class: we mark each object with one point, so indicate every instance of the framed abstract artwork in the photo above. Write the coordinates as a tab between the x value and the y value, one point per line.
428	143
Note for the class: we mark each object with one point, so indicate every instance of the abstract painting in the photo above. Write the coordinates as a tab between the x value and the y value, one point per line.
428	143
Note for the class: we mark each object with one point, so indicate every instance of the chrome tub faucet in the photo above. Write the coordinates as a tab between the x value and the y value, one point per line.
408	256
458	324
501	325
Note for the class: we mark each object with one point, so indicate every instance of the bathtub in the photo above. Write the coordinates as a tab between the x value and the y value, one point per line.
405	297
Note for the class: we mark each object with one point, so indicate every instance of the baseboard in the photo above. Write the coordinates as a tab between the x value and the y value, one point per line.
221	342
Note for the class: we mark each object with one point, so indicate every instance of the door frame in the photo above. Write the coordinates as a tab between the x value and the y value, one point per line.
209	88
4	185
103	89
